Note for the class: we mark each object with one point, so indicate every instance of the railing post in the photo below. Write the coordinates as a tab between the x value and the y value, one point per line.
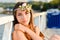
7	31
42	21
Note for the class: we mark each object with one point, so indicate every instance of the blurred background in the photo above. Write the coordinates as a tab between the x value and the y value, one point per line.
38	5
46	13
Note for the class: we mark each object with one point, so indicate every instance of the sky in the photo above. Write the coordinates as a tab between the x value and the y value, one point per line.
7	0
27	0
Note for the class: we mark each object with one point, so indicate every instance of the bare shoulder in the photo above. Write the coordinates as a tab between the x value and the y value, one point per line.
16	26
37	28
38	32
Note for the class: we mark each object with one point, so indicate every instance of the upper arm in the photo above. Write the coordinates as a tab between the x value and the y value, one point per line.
21	35
18	36
14	37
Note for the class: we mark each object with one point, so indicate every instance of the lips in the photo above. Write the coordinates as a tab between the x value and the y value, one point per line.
24	21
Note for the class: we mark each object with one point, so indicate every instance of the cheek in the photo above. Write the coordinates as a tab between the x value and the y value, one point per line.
18	19
28	17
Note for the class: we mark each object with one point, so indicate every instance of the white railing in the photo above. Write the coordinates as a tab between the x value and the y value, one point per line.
41	20
8	21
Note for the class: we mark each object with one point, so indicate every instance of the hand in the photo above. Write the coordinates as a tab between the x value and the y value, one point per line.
55	37
20	27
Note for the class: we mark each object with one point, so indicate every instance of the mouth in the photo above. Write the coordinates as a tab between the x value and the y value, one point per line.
24	21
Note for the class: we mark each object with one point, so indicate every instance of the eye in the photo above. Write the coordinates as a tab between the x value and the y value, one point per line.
27	12
19	14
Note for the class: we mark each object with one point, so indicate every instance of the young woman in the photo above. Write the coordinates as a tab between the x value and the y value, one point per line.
24	28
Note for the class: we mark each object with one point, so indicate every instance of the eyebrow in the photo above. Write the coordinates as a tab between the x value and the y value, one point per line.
25	12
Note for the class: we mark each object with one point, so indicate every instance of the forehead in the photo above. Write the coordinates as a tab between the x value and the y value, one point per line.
21	11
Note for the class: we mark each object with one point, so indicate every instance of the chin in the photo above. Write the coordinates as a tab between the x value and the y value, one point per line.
26	24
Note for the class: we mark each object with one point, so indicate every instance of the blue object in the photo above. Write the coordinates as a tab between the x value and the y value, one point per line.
53	19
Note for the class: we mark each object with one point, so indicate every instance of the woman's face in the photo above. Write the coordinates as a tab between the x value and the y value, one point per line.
23	17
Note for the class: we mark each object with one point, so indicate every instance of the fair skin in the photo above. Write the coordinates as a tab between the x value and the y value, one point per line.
23	19
55	37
